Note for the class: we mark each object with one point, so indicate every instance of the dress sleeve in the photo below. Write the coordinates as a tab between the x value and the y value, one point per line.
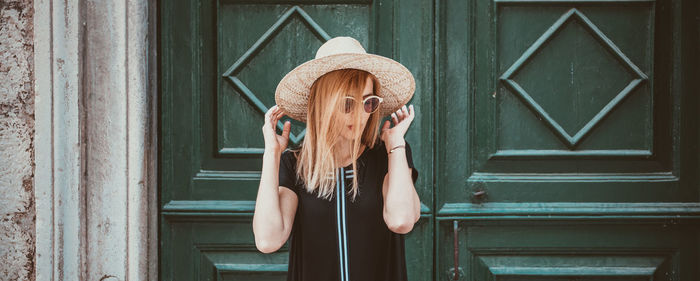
287	171
409	159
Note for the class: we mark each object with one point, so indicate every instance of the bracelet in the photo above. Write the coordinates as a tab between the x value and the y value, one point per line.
397	147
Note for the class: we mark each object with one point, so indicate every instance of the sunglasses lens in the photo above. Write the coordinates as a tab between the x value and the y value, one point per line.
371	104
349	104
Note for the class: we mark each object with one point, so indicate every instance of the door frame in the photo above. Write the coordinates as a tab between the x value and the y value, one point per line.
91	61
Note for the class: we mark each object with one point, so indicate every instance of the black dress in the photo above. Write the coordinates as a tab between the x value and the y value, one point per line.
340	239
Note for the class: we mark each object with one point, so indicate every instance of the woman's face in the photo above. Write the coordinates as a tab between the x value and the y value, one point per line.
348	130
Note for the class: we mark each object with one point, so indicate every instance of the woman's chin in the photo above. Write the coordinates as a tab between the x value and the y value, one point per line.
347	136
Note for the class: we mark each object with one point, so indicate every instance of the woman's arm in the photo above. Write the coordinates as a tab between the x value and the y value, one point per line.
401	201
275	206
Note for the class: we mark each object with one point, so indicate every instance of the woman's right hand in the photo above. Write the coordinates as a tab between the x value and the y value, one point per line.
273	141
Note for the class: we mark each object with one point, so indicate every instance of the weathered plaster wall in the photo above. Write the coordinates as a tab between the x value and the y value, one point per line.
17	216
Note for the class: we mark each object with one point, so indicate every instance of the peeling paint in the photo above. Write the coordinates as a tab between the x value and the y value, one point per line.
109	278
17	211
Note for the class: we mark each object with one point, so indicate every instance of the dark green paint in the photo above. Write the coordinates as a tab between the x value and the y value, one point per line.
221	62
559	137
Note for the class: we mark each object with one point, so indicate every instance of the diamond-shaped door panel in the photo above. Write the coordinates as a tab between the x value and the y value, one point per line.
270	57
572	90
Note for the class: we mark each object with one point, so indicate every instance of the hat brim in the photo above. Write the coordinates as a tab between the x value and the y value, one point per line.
397	83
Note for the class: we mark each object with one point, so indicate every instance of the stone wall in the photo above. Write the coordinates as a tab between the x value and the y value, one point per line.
17	214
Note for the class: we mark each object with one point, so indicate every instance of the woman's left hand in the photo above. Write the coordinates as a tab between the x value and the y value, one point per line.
402	118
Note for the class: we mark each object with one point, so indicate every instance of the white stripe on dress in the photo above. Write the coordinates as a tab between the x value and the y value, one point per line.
345	239
340	230
349	174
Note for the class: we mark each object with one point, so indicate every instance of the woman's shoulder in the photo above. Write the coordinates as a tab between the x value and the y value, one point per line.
290	156
289	152
379	146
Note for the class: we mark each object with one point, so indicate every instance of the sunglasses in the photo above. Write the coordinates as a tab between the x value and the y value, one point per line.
370	103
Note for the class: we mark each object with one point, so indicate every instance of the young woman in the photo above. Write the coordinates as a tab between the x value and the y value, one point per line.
347	195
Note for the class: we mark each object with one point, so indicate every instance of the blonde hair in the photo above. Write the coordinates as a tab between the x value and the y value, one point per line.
316	157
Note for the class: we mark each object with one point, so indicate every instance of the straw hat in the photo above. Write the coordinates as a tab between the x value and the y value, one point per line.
397	83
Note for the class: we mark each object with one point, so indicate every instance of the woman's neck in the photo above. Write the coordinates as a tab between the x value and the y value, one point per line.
344	152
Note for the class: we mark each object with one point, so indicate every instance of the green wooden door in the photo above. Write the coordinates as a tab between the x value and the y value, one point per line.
221	62
554	138
562	149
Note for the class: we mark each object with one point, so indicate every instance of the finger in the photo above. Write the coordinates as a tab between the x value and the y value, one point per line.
275	116
268	113
405	111
386	125
273	124
272	119
412	112
404	115
273	109
278	115
287	129
273	112
399	114
394	118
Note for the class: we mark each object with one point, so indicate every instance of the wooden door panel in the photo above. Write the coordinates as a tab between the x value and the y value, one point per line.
251	62
219	84
219	249
558	101
588	249
566	82
559	151
221	62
